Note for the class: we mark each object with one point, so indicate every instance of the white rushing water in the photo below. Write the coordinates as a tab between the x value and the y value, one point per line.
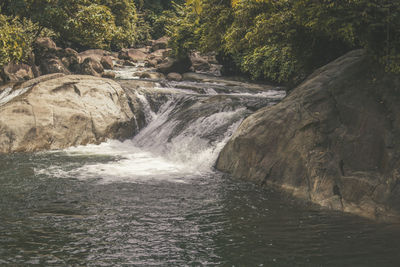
182	139
153	155
9	94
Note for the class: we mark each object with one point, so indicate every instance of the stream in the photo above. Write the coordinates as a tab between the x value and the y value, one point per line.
156	200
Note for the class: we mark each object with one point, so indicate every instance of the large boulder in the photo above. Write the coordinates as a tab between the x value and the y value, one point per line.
107	63
44	49
174	65
58	111
132	54
204	63
70	59
53	59
335	140
95	54
90	66
53	65
45	42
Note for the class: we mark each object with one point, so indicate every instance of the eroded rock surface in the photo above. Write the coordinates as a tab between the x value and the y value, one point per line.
335	140
58	111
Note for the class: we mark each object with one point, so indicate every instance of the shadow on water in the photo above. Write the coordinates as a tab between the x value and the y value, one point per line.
156	201
209	220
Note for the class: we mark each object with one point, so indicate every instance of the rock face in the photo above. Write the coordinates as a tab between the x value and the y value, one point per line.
174	76
91	67
174	65
53	65
17	72
335	140
132	54
58	111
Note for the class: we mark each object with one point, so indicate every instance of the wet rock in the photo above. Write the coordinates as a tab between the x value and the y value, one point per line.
173	76
151	63
174	65
95	54
327	141
128	63
63	111
108	75
107	63
151	75
91	67
132	54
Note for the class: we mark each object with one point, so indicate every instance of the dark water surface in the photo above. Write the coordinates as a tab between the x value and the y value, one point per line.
207	220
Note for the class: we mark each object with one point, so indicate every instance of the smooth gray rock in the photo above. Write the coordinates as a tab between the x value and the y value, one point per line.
335	141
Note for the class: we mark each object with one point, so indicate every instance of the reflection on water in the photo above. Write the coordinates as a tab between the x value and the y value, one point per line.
207	220
156	200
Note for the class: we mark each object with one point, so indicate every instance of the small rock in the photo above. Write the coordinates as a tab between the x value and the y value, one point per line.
108	75
17	72
45	42
150	75
107	62
161	43
151	63
53	65
145	75
173	76
129	63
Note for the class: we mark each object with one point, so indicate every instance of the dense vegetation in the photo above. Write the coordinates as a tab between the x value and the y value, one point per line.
283	40
278	40
80	24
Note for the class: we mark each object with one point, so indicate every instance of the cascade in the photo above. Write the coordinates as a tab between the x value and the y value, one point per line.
183	135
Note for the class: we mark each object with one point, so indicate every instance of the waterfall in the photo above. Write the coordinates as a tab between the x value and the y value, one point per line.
182	138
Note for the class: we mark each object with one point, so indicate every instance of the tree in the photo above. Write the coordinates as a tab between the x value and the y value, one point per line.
16	38
81	23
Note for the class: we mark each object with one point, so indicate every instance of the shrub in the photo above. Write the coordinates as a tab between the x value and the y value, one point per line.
16	38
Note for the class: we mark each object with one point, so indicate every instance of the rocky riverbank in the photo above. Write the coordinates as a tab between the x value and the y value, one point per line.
57	111
47	58
335	141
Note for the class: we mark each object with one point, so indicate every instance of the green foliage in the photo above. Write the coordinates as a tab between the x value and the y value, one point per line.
276	63
155	16
93	26
16	38
181	27
81	23
285	40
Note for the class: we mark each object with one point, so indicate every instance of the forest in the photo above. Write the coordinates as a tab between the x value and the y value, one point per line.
280	41
200	133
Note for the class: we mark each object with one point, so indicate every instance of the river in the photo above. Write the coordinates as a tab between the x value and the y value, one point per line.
156	200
